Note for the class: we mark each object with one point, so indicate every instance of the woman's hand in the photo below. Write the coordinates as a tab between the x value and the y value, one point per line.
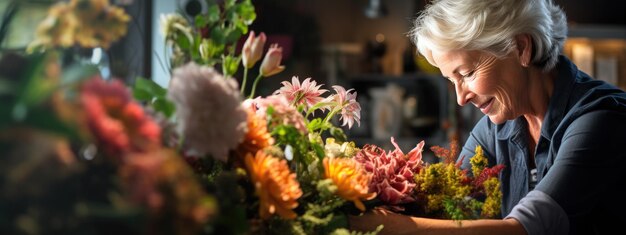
393	223
402	224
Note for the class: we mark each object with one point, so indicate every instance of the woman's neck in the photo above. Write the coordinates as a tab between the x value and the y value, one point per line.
541	89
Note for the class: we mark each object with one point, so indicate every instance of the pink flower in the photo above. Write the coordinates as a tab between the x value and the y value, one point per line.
392	173
253	49
346	102
271	62
306	93
283	113
208	107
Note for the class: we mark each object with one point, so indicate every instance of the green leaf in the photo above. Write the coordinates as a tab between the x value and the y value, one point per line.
149	91
182	41
217	35
319	150
241	27
232	35
213	14
314	124
230	64
164	106
142	95
211	50
229	3
246	12
150	87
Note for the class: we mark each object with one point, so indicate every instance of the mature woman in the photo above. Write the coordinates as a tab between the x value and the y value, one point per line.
559	132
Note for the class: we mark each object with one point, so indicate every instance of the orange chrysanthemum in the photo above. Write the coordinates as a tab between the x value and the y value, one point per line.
276	186
257	137
350	178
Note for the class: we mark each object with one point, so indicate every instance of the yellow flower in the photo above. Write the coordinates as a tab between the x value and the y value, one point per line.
57	29
491	208
276	186
440	181
100	23
350	178
478	161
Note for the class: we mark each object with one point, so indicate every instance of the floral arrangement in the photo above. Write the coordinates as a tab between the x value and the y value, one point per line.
203	156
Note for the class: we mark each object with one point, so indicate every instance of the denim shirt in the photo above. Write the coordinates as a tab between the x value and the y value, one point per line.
580	158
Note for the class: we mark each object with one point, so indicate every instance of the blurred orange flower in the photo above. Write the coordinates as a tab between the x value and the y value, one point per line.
118	123
257	137
350	178
276	186
163	182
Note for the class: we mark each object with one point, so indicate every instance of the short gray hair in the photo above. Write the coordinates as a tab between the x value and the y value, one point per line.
491	26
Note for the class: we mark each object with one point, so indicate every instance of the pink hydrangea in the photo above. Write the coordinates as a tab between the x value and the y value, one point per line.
392	172
208	107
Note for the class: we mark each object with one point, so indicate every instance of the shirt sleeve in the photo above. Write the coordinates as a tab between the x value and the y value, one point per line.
540	214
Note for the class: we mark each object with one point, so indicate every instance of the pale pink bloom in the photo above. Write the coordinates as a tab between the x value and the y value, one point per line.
271	62
209	111
307	93
283	113
346	102
392	172
253	49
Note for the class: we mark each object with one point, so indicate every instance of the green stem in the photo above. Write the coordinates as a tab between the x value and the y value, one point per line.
316	107
256	81
245	78
330	115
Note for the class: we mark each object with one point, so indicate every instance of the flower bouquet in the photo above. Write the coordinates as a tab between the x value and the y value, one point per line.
296	170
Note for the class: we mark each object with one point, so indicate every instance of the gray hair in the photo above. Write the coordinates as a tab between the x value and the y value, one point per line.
491	26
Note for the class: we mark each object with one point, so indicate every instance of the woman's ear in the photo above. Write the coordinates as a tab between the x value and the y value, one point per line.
524	48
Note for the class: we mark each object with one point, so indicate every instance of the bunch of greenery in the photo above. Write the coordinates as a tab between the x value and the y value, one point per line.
209	38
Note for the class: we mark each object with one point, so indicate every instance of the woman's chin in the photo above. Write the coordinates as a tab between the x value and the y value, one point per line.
497	119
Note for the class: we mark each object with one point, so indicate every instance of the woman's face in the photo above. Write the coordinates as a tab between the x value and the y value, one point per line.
498	87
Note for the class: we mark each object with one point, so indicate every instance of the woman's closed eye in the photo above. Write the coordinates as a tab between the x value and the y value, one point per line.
469	76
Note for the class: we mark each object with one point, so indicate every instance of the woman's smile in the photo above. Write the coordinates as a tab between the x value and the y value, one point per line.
486	106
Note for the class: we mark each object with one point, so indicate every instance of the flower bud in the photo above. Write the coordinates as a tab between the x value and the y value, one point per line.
253	49
271	62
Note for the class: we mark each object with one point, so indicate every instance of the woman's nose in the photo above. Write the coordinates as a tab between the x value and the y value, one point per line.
463	96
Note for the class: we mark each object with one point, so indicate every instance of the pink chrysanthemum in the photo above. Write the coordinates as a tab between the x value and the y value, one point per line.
346	102
392	173
283	113
208	107
118	124
307	93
